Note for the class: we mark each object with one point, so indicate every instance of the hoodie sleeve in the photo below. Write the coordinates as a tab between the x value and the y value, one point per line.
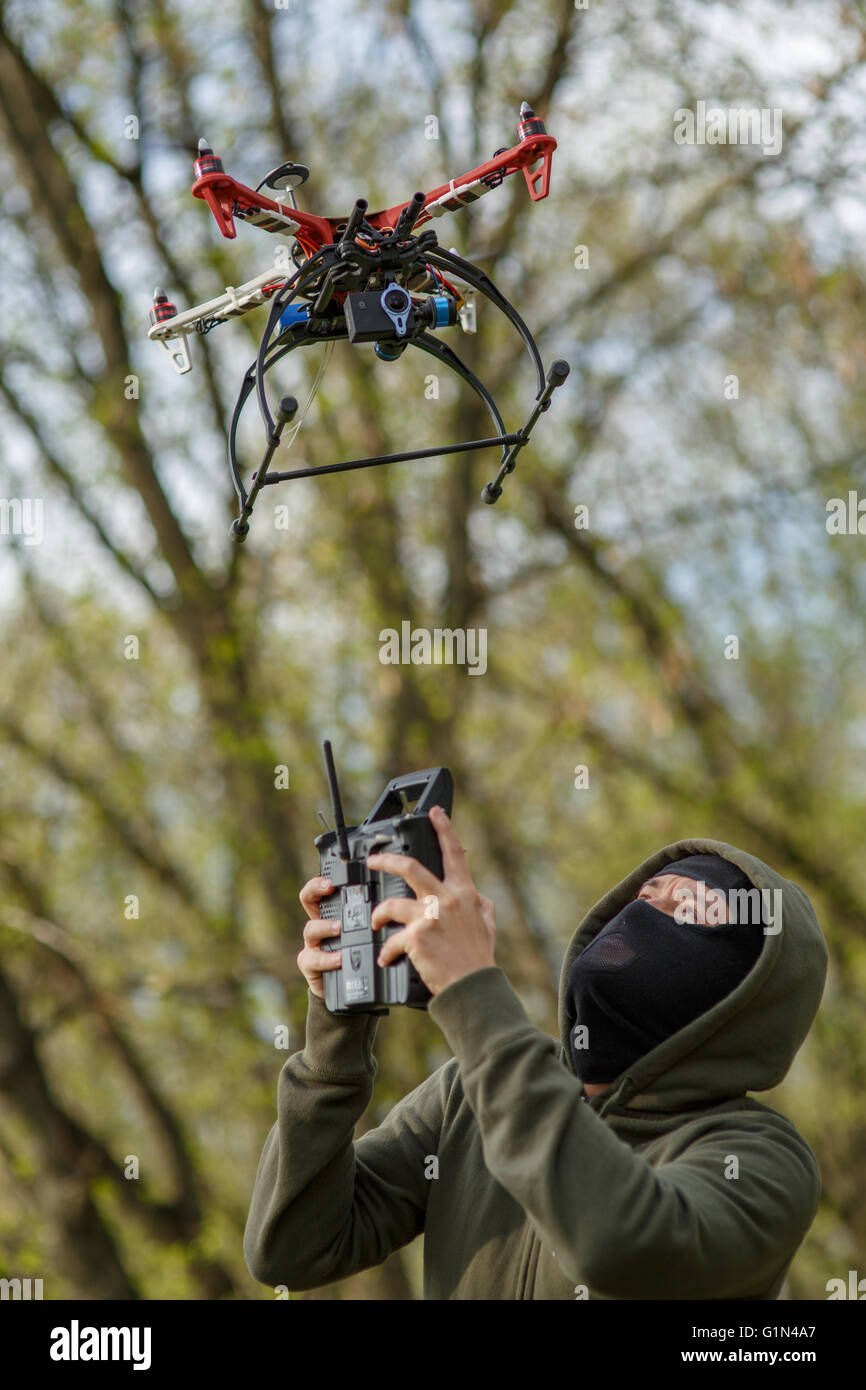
616	1222
323	1207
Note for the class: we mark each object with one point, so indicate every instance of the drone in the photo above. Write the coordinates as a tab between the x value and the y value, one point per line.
373	277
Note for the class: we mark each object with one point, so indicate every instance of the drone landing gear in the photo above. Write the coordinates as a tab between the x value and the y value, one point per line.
491	493
287	410
555	377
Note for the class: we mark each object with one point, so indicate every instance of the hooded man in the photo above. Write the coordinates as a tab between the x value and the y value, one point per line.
627	1161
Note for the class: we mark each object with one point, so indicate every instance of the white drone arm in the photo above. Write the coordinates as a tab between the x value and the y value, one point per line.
228	305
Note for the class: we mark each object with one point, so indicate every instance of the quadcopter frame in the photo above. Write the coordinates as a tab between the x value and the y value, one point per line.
370	277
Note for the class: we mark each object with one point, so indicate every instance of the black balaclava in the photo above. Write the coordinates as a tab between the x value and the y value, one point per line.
645	975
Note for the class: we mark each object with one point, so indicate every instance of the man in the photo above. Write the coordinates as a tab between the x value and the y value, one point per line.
626	1161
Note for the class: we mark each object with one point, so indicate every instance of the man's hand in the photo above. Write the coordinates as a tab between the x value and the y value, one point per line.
313	959
449	926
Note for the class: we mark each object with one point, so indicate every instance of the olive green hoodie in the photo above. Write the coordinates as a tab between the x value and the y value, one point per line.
672	1184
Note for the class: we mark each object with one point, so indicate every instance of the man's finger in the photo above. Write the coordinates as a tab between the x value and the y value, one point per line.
395	910
419	879
396	945
312	893
453	854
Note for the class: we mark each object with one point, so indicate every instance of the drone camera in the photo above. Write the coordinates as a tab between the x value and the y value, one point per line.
371	316
389	352
397	304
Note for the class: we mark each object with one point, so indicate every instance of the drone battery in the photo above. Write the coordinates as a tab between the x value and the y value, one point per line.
295	313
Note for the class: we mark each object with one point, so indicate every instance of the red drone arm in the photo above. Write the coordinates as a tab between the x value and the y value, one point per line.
227	198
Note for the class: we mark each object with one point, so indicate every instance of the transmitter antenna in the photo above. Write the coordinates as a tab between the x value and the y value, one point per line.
339	822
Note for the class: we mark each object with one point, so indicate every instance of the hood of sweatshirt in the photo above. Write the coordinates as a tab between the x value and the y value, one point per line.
745	1042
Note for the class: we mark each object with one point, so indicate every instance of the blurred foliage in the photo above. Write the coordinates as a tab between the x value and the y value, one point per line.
153	779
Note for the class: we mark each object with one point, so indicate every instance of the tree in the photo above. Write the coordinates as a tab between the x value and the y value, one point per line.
158	678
